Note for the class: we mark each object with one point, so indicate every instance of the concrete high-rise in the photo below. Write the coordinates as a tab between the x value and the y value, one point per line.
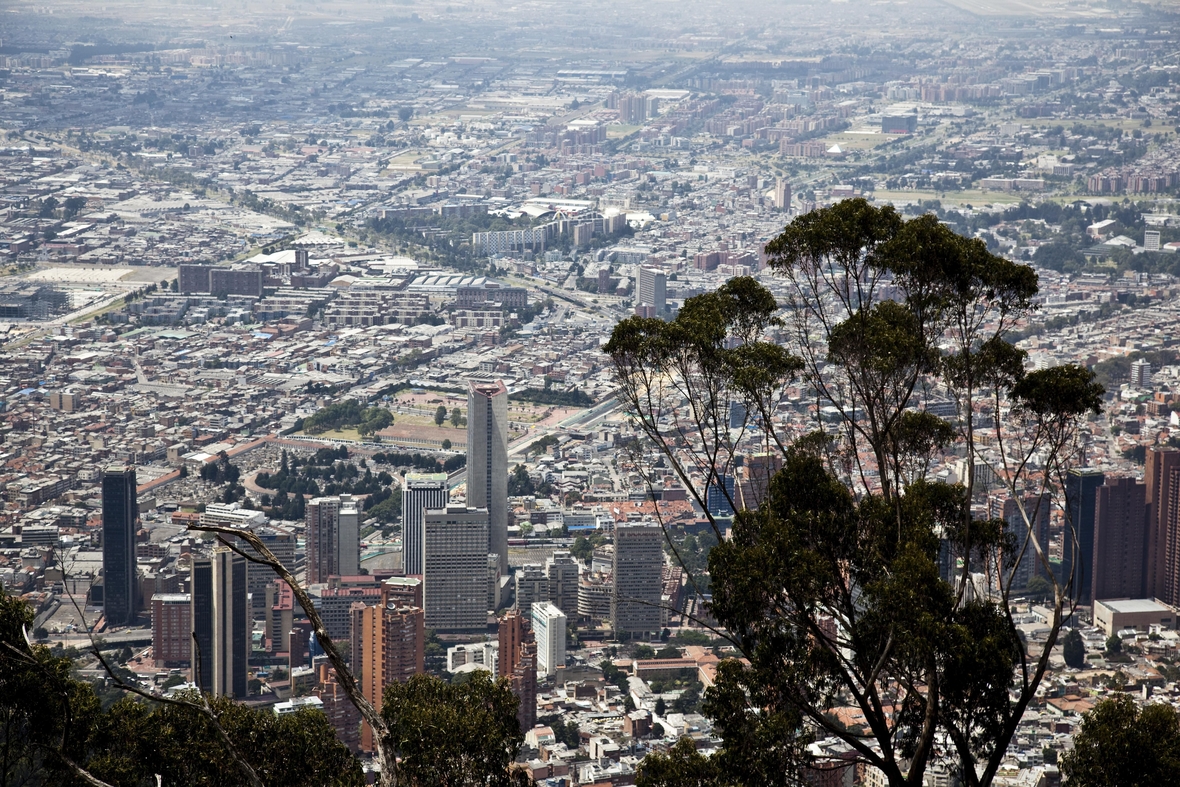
1081	489
532	585
562	570
652	289
637	571
120	512
333	538
518	663
487	462
420	492
1120	540
782	194
1162	479
389	646
221	624
1038	511
455	569
549	633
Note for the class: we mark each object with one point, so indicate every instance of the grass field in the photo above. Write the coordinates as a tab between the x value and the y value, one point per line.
968	197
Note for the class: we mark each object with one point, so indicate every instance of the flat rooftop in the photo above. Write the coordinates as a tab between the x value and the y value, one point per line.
1135	605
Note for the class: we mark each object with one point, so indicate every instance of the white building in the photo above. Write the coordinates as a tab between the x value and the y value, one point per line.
549	631
420	492
473	655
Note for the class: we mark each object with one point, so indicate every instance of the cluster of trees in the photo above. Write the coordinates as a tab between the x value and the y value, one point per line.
575	398
350	412
520	484
852	529
456	416
423	462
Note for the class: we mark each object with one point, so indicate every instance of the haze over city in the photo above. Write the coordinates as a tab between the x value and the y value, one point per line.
413	303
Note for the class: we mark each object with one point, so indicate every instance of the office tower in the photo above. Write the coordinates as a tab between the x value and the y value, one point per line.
549	633
518	663
1081	487
120	510
1151	240
390	647
221	626
652	289
455	569
562	571
637	569
487	462
333	544
532	585
1141	374
172	629
1038	511
1120	540
1162	478
420	491
719	494
782	194
494	581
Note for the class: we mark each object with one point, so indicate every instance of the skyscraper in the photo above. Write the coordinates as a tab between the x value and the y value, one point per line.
562	571
487	462
549	633
1141	374
221	624
420	491
455	569
1081	487
782	194
1162	479
652	290
1038	511
390	647
333	544
518	663
1120	540
638	565
532	585
120	510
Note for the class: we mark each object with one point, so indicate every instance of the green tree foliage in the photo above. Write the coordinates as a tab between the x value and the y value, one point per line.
1121	745
834	590
519	482
456	417
454	735
574	398
53	726
1114	645
349	412
440	415
682	766
1074	650
221	471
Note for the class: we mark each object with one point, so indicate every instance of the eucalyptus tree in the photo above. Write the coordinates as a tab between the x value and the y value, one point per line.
867	602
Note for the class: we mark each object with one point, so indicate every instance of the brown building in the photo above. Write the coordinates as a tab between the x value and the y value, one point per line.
518	663
341	713
1120	540
388	646
172	629
1162	479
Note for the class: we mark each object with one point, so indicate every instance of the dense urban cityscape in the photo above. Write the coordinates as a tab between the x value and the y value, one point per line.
341	275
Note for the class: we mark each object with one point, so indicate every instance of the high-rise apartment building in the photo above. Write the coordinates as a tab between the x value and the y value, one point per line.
532	585
120	512
1162	479
1141	374
562	571
518	663
420	492
549	633
455	569
1081	489
652	289
1038	511
172	626
637	570
333	542
782	194
487	462
389	642
221	624
1120	540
